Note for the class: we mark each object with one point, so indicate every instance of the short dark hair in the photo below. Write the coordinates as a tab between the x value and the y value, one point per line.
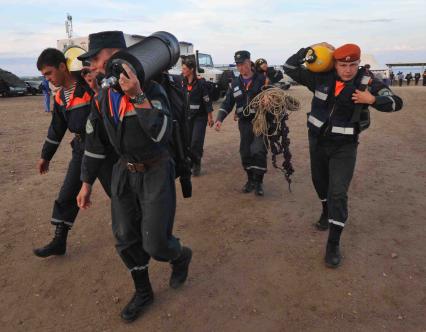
50	57
190	63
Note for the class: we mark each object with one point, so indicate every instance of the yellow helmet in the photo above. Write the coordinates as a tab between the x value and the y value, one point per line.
71	54
319	59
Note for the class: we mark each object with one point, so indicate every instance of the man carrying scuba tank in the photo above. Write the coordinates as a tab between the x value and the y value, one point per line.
342	94
136	123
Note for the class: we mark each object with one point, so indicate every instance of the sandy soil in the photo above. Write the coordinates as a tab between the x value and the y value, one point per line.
258	262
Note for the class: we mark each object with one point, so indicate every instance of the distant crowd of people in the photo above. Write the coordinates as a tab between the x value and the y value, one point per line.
398	79
389	78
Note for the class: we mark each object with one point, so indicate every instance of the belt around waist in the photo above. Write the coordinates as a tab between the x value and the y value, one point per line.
146	164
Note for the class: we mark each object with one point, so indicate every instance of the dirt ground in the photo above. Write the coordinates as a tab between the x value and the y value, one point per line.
258	262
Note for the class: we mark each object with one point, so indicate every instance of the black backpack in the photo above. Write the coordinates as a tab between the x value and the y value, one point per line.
179	145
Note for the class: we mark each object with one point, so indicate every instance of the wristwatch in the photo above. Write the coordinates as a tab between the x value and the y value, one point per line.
139	99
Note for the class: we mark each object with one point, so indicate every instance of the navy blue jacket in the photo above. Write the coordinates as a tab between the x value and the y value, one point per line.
140	135
71	116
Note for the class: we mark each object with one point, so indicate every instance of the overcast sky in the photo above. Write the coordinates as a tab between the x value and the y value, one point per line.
391	30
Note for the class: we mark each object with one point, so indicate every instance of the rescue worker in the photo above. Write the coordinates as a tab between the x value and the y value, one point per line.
252	148
71	108
334	127
272	76
199	111
409	77
400	78
368	71
391	77
417	78
137	125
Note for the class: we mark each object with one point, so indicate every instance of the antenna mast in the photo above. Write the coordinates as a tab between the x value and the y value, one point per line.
68	26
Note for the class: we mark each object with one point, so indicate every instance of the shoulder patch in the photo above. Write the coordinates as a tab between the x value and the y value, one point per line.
157	104
89	127
385	92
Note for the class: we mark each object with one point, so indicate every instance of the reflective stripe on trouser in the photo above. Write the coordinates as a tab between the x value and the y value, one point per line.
197	131
252	149
143	212
332	168
65	208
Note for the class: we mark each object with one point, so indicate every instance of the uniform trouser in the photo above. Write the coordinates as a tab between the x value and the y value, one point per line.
65	208
400	82
143	212
47	102
197	131
332	168
252	149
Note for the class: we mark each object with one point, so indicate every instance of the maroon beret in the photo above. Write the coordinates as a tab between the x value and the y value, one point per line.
347	53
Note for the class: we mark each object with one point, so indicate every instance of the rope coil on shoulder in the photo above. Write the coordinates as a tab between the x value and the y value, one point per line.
272	107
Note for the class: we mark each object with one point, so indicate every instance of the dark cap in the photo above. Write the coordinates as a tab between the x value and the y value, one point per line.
260	62
347	53
101	40
241	56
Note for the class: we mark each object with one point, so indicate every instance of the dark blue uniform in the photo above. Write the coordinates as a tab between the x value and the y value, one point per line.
143	201
253	151
198	106
333	136
72	116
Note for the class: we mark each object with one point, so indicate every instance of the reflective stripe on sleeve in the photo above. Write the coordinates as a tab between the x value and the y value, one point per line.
51	141
365	80
162	131
315	121
289	66
321	95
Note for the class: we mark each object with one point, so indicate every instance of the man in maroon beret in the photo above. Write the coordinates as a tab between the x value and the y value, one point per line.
338	114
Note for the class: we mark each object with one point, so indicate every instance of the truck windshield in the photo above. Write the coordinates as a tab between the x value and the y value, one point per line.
205	60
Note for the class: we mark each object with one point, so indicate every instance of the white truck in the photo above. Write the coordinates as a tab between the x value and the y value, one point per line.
218	79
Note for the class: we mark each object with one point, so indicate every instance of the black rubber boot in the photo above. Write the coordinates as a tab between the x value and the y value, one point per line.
180	268
332	255
332	252
258	185
249	186
196	169
142	298
322	223
57	246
